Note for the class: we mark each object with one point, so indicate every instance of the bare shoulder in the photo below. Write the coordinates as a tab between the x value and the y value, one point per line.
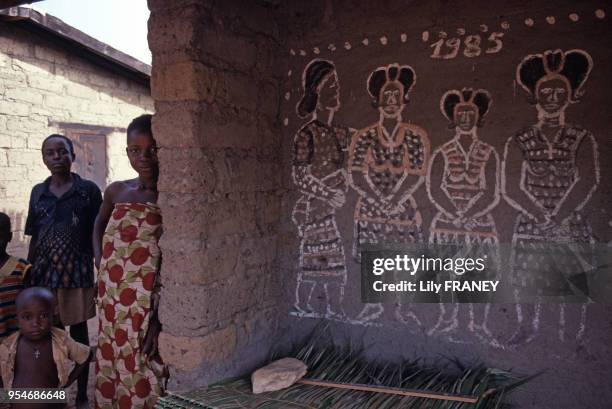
118	187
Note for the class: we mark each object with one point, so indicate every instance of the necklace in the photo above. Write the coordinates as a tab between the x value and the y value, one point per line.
35	351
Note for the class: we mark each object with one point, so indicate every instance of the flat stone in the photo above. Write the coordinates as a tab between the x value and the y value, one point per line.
278	375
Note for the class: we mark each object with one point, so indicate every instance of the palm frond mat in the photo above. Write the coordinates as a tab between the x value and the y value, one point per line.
347	365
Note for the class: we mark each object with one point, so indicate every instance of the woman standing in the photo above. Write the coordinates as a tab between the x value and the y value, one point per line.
463	184
60	220
559	171
387	164
129	371
318	171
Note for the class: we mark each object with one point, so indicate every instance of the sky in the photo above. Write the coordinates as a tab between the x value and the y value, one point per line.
121	24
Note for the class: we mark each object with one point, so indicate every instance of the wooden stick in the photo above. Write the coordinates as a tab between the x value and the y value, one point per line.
393	391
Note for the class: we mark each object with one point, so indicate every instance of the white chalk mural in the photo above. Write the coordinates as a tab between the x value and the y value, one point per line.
546	174
557	173
319	172
387	163
463	184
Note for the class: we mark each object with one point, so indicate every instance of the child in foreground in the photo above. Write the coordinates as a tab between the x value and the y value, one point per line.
37	356
12	275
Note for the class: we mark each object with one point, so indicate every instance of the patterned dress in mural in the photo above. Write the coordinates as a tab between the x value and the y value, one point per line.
127	280
550	173
464	181
385	163
320	148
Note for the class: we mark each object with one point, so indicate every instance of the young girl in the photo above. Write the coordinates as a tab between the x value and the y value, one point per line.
129	371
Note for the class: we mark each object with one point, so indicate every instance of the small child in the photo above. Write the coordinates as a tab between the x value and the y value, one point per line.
37	355
12	275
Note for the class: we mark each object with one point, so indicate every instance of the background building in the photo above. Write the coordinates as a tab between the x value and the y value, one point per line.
56	79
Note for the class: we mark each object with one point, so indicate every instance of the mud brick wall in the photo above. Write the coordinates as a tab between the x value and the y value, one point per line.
227	76
216	100
43	85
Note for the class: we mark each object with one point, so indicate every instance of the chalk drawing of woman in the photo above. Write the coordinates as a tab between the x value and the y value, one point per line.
463	184
550	171
320	175
387	163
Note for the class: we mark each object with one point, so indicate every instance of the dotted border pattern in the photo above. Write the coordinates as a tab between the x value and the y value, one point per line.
426	35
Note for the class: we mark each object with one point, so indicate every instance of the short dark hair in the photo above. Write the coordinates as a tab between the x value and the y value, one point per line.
141	124
35	293
56	135
5	223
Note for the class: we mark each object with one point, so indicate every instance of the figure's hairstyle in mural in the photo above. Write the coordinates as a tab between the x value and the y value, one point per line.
451	100
573	67
313	76
403	74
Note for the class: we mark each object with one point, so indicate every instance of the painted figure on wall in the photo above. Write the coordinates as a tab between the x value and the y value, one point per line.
387	163
463	184
550	171
319	172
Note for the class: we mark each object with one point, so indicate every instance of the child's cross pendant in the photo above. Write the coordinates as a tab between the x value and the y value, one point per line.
36	353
